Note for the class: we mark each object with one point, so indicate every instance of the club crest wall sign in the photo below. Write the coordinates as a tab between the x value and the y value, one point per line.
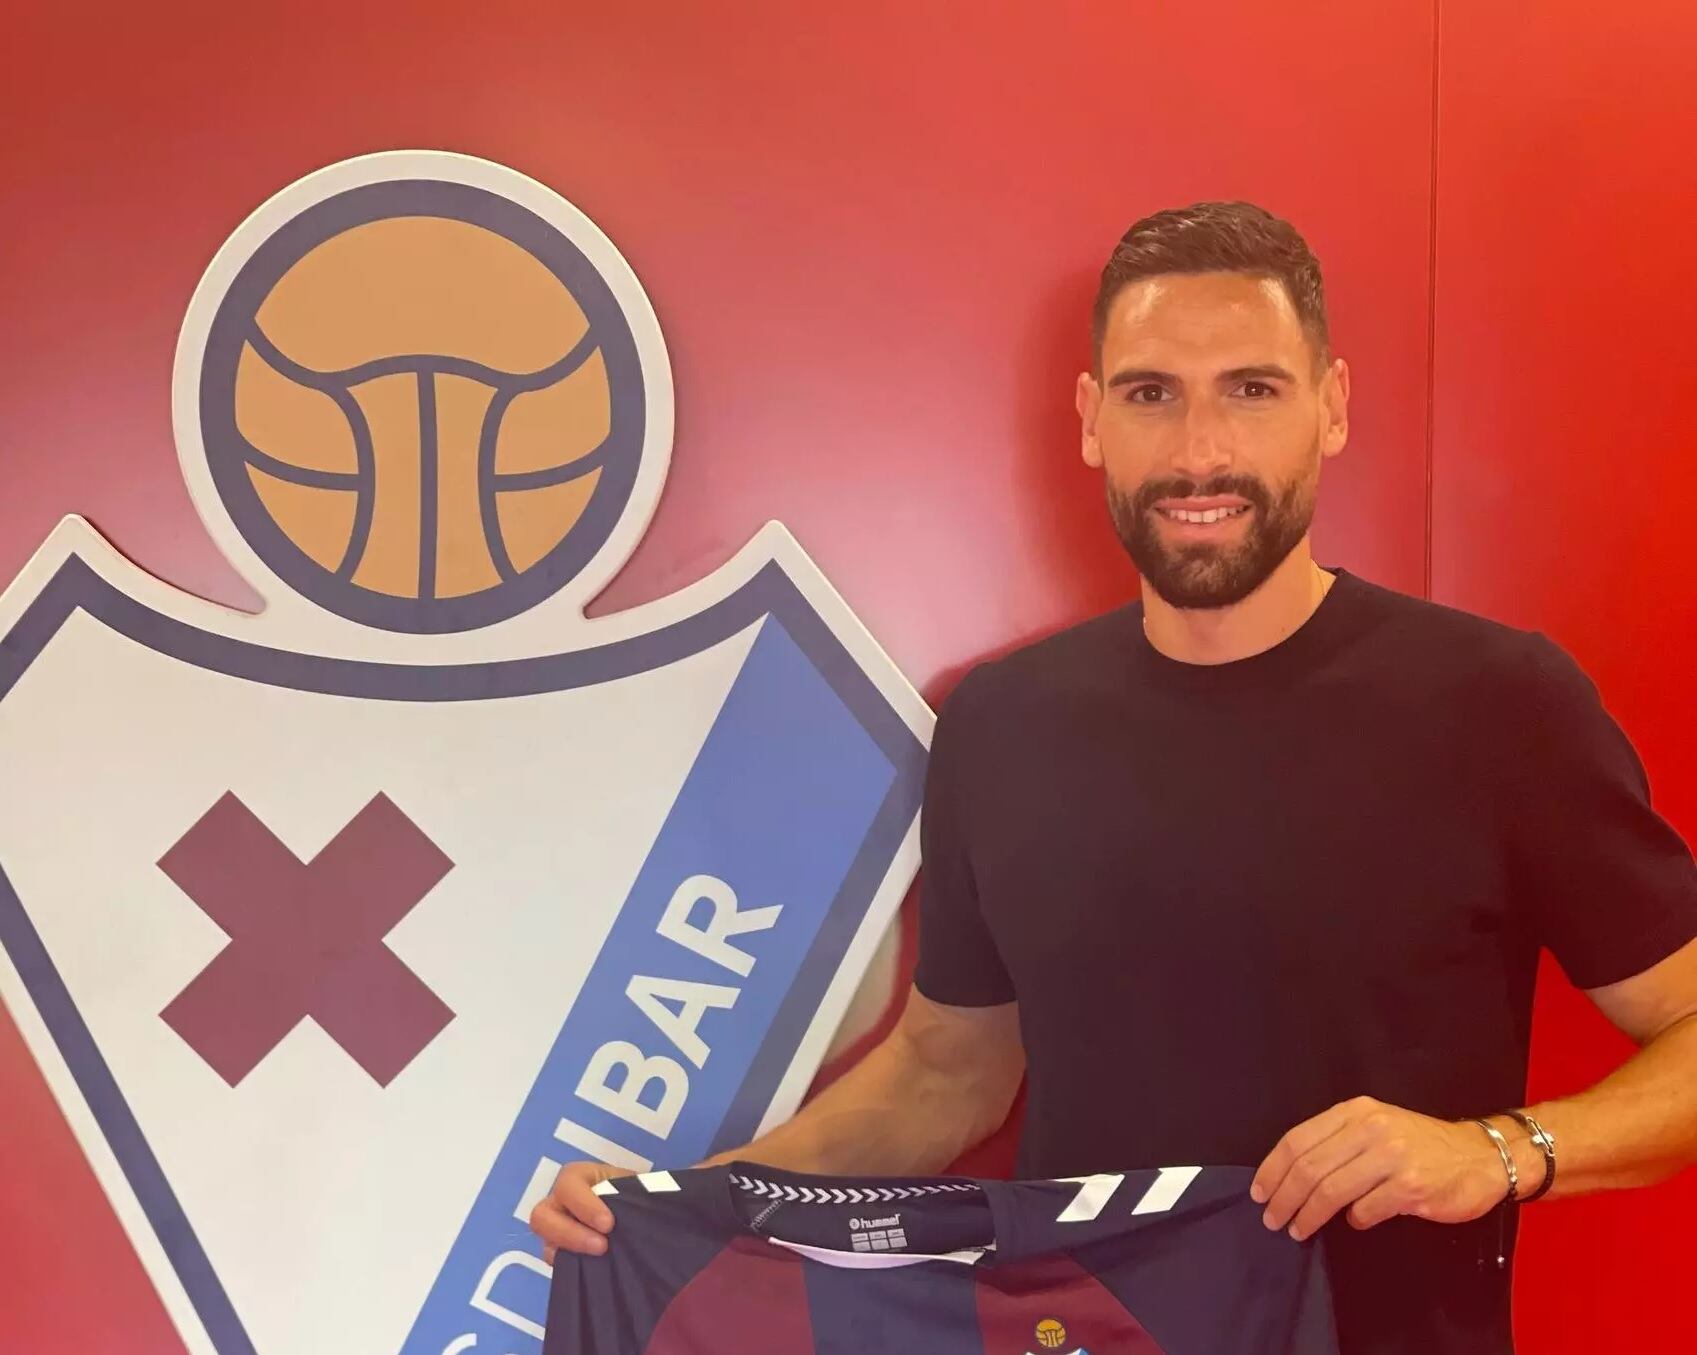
337	927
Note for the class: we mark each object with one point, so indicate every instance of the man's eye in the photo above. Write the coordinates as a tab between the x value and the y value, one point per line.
1139	394
1250	387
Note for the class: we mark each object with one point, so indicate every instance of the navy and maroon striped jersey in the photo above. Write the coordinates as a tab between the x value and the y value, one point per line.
727	1260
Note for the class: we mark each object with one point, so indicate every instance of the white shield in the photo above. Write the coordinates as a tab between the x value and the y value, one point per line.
746	733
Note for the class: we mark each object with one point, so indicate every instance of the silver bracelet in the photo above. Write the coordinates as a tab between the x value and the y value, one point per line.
1507	1157
1546	1143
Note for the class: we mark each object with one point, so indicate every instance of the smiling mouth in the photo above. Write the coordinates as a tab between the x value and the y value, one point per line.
1204	518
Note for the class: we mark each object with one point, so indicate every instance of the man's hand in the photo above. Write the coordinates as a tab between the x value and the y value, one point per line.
572	1216
1378	1161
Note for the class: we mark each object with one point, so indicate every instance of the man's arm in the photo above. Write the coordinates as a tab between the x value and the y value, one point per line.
1639	1124
942	1080
1635	1127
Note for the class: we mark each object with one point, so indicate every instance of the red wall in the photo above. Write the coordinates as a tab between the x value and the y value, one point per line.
1564	490
870	233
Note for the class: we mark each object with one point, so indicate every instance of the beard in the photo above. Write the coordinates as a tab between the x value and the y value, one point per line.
1203	576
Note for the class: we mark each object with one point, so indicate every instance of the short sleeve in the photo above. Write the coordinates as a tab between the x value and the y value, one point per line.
1609	884
958	963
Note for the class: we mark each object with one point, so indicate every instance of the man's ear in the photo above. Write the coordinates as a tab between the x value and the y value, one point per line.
1335	395
1088	400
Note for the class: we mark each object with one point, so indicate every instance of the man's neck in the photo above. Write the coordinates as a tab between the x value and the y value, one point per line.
1268	616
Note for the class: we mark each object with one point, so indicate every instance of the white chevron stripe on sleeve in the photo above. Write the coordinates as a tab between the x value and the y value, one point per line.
1165	1189
1094	1194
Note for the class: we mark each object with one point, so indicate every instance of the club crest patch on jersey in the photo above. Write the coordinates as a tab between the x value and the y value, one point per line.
337	927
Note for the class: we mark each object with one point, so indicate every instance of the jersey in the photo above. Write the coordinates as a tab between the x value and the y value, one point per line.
1172	1261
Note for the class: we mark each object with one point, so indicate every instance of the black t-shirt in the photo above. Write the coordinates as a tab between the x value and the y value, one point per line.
1227	897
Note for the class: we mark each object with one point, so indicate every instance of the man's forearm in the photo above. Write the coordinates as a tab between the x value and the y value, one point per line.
886	1116
1634	1128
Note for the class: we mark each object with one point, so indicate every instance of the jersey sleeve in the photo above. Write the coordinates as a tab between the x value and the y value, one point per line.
1183	1251
1608	884
958	963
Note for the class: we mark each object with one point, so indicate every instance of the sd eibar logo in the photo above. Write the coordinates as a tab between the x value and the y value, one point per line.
335	928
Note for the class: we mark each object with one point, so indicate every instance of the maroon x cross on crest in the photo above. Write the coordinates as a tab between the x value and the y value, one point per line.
306	939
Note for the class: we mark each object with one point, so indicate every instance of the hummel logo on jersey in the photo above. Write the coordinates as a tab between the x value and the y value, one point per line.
877	1234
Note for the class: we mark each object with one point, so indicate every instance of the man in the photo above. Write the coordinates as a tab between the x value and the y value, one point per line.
1258	870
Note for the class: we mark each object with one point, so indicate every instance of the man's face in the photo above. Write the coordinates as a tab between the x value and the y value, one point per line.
1210	424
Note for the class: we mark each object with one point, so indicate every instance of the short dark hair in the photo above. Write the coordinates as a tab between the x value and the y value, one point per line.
1216	237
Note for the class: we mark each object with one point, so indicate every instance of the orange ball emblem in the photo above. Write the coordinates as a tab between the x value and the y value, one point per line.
423	406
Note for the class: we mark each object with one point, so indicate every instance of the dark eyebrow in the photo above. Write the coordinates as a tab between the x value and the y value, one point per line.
1269	371
1138	375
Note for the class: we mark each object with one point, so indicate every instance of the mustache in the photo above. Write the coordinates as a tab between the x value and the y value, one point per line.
1246	487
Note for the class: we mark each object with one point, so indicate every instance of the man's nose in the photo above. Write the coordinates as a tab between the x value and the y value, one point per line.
1204	447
